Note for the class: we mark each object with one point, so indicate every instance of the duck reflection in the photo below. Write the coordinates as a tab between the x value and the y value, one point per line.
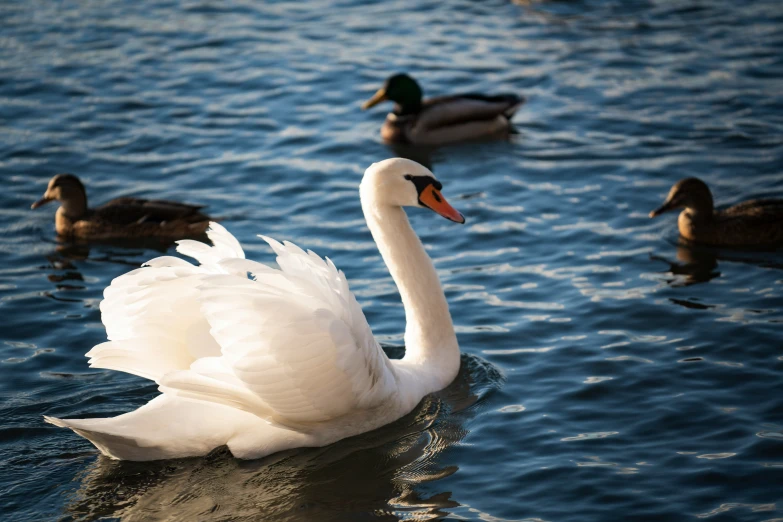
119	251
80	249
63	261
695	264
372	476
65	275
421	154
699	263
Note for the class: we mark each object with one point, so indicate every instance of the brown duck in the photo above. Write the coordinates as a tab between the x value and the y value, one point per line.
758	222
124	217
445	119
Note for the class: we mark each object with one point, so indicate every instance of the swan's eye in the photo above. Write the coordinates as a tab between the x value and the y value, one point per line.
422	182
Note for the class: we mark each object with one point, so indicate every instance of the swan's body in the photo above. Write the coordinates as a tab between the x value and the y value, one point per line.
280	361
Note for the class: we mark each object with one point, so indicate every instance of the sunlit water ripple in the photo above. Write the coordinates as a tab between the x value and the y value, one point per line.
609	374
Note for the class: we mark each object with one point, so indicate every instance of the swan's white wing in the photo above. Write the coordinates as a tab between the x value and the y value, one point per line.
296	347
290	347
152	315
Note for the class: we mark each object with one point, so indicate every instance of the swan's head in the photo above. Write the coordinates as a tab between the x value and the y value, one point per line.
65	188
400	182
689	193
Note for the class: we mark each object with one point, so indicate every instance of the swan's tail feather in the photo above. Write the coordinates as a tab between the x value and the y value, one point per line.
112	445
171	427
57	422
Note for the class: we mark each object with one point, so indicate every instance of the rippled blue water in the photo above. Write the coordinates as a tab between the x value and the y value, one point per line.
609	374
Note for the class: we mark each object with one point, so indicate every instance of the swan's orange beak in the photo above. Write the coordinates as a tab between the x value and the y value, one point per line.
431	198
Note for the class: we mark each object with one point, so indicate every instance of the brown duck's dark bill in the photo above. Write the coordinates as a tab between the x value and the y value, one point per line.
377	98
40	202
431	198
660	210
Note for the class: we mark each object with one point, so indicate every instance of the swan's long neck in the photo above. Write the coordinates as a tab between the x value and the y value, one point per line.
429	332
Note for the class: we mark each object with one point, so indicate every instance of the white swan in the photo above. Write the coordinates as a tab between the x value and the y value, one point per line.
283	359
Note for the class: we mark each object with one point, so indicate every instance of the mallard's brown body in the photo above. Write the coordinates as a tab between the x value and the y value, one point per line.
758	222
124	217
134	218
754	223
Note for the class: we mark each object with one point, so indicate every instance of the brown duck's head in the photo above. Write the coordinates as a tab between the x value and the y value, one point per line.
68	190
401	89
690	193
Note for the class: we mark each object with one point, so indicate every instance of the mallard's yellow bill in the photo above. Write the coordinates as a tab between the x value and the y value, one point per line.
377	98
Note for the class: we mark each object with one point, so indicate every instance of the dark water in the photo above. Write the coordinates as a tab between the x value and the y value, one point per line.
608	373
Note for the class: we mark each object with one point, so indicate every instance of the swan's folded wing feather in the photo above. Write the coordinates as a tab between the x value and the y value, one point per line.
296	338
291	346
224	246
189	384
153	322
152	315
363	359
224	242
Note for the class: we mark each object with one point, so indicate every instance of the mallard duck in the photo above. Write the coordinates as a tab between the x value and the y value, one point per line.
445	119
758	222
124	217
280	360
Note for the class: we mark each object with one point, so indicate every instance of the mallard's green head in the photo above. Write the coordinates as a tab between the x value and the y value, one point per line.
690	193
401	89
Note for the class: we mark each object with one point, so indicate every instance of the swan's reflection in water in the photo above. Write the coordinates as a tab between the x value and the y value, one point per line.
374	476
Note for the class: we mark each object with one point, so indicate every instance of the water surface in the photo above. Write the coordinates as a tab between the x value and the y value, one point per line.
609	373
